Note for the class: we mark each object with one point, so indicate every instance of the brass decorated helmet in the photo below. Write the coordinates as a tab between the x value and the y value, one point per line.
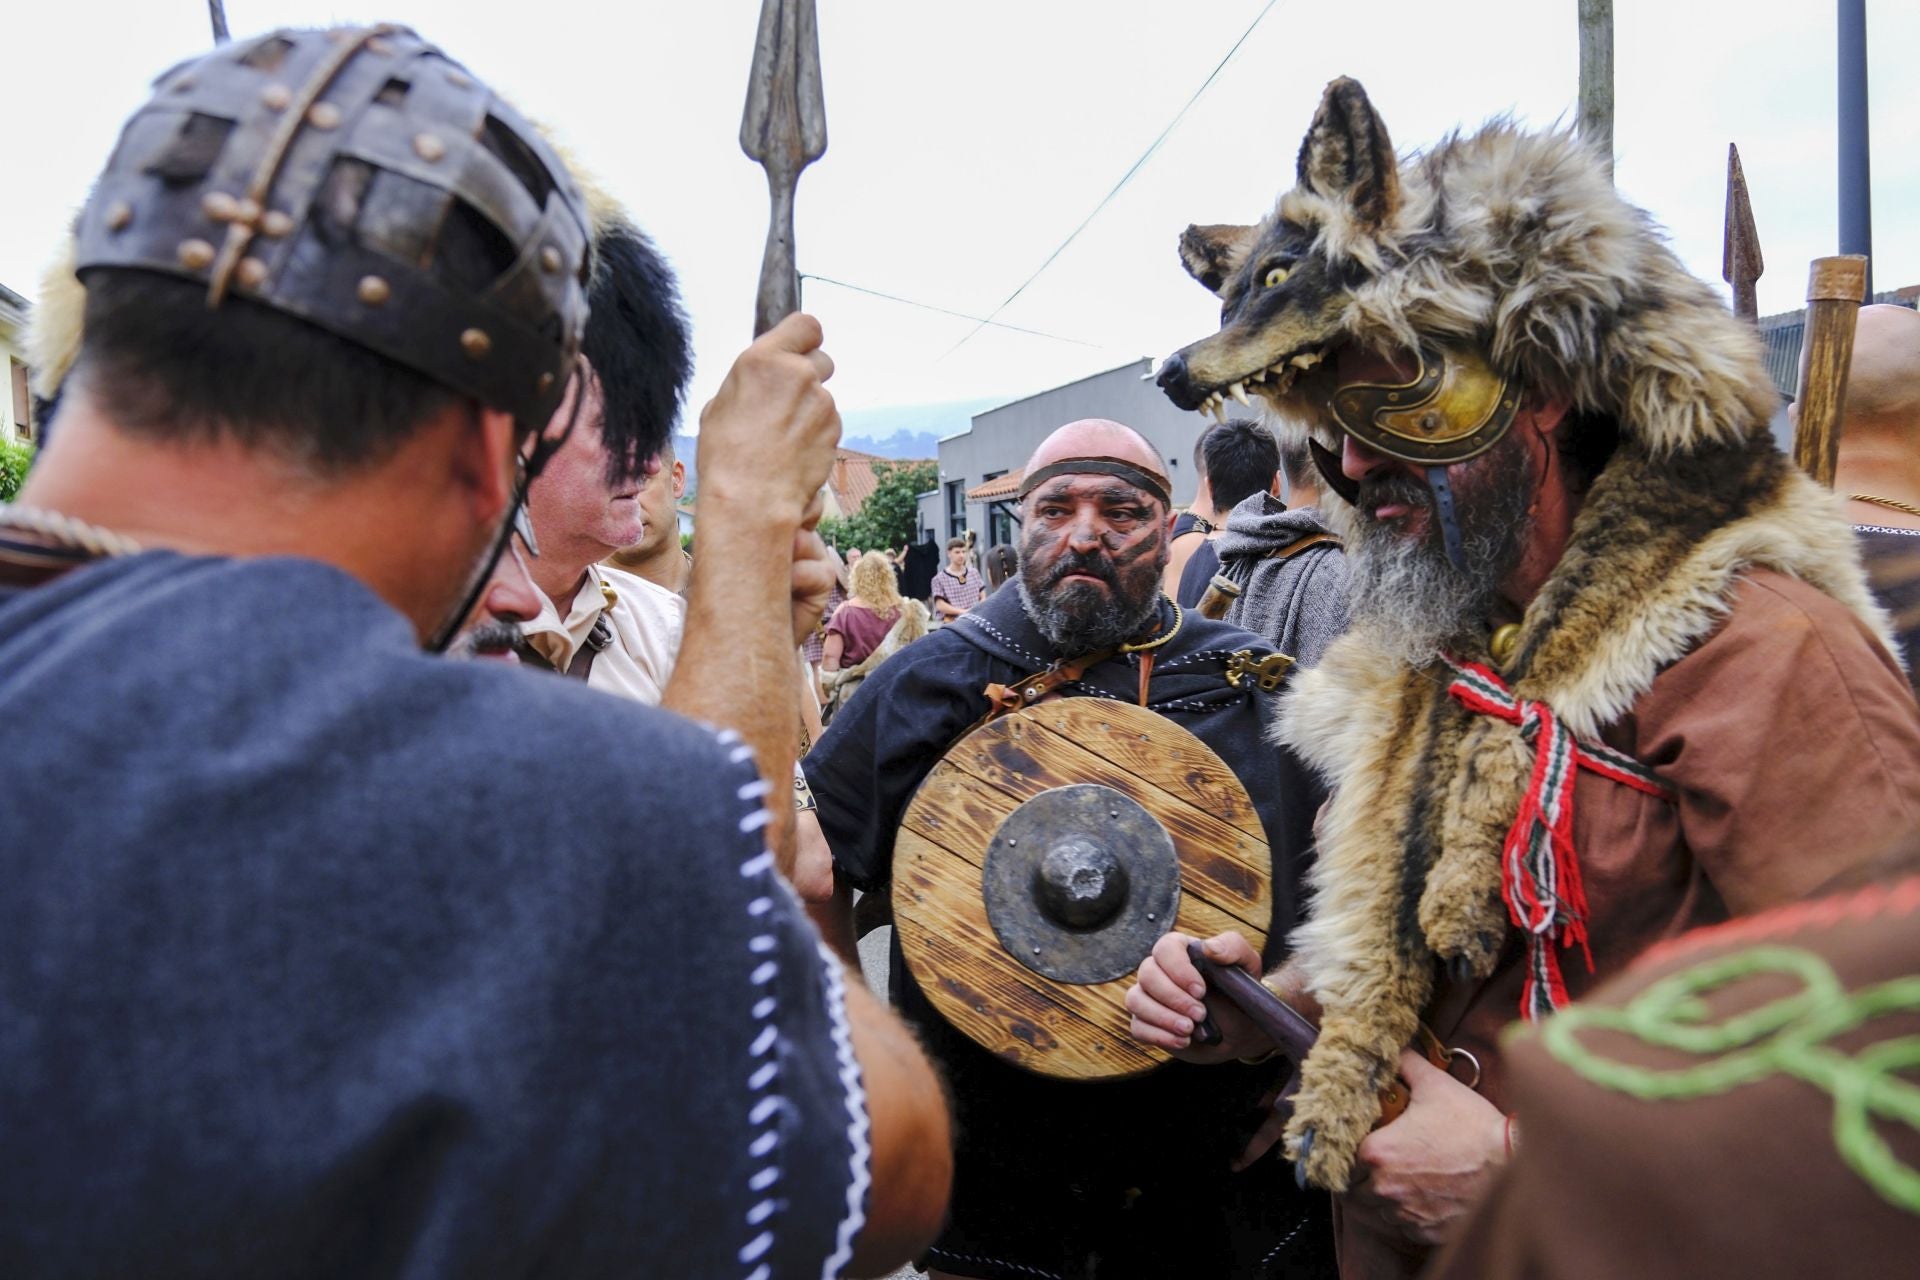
1452	409
361	181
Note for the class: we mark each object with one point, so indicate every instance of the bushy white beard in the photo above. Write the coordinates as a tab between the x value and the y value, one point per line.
1407	596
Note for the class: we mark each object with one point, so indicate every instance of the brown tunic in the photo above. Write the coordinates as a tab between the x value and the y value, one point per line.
1793	742
1748	1179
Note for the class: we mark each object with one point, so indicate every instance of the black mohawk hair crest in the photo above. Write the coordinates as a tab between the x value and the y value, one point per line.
640	344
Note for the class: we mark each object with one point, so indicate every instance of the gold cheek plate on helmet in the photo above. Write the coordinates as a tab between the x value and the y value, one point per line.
1454	408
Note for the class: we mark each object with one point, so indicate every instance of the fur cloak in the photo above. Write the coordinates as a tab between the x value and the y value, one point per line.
1518	244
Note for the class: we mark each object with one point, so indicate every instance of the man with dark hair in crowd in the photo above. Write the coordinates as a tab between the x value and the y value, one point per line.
370	965
1190	527
1048	1180
957	587
1242	459
1285	566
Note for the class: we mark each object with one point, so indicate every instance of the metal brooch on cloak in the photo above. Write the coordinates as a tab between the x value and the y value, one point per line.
1043	857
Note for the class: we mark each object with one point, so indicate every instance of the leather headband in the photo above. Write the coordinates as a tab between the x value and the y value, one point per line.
1124	470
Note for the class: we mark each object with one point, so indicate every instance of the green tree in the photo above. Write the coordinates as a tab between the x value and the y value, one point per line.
15	457
891	514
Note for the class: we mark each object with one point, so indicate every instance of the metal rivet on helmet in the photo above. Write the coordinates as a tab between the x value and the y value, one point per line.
253	183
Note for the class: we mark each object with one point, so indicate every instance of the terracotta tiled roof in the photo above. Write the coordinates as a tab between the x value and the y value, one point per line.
997	489
853	480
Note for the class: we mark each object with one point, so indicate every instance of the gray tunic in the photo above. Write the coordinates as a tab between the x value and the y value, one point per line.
1299	602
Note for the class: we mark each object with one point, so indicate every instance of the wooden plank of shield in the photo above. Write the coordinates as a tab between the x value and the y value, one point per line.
995	779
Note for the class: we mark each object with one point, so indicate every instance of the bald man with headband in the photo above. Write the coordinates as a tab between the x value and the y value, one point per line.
1055	1178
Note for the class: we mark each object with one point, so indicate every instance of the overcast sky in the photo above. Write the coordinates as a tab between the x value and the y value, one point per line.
968	139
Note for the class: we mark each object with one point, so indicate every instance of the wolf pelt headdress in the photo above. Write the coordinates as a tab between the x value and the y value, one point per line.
1514	244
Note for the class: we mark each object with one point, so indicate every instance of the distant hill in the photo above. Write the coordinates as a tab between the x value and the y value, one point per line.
907	431
897	431
901	444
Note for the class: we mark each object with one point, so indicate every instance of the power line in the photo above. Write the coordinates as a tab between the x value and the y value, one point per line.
1125	178
961	315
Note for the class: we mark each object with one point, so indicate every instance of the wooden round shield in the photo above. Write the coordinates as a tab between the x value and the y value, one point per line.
1045	855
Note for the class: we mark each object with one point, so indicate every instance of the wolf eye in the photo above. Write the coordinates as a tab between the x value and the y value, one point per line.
1276	276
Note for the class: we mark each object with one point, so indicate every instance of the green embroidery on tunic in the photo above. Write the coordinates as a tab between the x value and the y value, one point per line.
1788	1036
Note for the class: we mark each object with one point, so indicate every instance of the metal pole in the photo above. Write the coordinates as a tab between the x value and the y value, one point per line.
217	12
1856	183
1596	76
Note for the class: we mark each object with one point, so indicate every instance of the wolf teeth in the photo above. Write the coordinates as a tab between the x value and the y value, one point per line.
1306	360
1239	390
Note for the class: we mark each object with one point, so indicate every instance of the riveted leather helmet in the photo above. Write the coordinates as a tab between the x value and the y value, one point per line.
362	181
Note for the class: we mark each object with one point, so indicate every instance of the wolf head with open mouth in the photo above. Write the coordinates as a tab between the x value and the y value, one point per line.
1511	245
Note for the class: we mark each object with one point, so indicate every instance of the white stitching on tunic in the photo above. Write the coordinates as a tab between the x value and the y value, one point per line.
767	1111
1186	659
857	1123
1297	1228
1025	653
994	1262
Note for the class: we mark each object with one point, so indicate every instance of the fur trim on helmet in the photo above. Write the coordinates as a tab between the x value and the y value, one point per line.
1514	242
1518	244
58	322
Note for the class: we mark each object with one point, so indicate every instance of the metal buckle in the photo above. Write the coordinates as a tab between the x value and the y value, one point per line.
1266	672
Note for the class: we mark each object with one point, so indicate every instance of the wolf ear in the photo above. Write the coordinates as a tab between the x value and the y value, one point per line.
1347	156
1211	254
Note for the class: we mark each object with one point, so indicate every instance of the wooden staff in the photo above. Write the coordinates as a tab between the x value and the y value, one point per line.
1835	288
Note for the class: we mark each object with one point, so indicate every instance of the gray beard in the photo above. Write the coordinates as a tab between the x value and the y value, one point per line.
1408	597
1081	618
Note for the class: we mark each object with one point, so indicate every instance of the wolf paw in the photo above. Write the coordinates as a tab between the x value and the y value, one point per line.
1465	924
1330	1117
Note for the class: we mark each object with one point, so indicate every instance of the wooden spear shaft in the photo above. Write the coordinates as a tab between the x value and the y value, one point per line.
1835	289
